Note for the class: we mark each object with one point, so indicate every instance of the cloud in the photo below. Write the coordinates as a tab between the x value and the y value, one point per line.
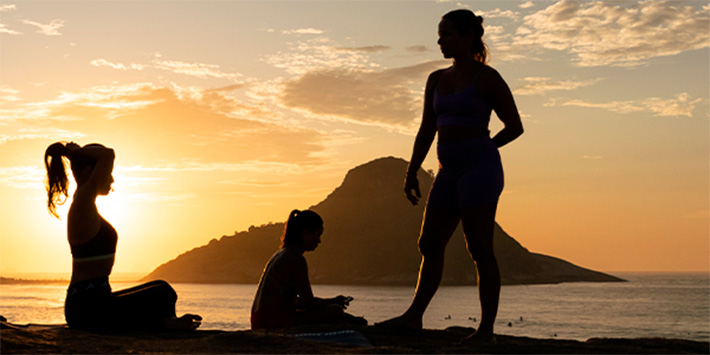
417	49
48	134
171	123
8	95
318	54
50	29
303	31
538	86
117	66
389	98
5	30
23	177
366	49
616	33
498	13
526	5
7	7
681	105
198	70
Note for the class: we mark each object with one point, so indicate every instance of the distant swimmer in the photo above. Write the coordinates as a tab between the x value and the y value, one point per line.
284	297
90	303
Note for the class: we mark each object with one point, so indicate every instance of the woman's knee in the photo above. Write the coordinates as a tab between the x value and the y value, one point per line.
480	252
430	246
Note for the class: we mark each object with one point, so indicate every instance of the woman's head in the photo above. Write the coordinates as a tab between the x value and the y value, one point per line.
466	24
57	183
303	229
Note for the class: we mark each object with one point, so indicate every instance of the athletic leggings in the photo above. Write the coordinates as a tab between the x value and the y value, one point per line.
90	305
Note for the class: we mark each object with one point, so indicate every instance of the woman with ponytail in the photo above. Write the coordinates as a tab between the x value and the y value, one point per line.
284	297
458	102
90	303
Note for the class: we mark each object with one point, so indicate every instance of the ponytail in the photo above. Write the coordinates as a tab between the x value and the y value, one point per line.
297	222
57	181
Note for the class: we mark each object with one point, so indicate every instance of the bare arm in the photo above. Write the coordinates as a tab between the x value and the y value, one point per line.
498	93
423	141
306	299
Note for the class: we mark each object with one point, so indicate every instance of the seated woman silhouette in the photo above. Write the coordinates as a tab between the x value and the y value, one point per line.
284	297
90	303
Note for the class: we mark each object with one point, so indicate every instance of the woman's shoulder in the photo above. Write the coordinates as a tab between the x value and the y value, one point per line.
437	73
288	256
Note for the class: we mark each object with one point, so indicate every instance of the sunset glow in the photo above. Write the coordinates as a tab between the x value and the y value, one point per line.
227	114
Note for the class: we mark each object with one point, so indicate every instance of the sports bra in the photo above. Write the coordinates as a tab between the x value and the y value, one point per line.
101	246
464	108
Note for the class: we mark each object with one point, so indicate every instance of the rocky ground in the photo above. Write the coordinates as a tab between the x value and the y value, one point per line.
39	340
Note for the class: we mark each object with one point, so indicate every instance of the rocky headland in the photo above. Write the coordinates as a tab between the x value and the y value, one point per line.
370	238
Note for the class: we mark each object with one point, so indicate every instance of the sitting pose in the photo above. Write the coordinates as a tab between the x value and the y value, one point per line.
90	304
284	297
458	101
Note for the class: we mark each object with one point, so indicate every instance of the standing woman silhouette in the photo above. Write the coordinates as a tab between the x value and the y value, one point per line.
90	304
458	101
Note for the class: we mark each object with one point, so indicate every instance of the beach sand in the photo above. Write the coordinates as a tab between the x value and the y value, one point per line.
59	339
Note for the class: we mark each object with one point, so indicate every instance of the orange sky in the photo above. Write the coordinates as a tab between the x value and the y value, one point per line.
230	114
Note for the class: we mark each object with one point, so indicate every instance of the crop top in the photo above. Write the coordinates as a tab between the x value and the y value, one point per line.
102	246
465	108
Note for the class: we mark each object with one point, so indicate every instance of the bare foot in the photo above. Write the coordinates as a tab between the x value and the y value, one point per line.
479	338
186	322
401	323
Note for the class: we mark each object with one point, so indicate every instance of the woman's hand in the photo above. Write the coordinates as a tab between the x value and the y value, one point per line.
411	189
343	301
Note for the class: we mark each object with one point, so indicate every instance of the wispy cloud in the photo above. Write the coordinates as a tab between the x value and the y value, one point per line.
8	94
616	33
172	123
118	66
198	70
5	30
538	85
526	5
498	13
366	49
303	31
318	54
7	7
389	98
681	105
23	177
417	49
48	134
49	29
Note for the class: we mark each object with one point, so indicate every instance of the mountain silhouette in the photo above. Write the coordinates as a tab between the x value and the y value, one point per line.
370	238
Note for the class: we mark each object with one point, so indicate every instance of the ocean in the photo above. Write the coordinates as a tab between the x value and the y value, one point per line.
670	305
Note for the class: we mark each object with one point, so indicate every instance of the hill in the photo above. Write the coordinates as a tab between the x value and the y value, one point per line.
370	238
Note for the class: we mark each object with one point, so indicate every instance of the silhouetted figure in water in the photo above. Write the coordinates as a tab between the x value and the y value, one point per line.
90	303
457	105
284	297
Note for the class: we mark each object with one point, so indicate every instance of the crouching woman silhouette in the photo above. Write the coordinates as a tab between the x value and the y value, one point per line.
284	297
90	303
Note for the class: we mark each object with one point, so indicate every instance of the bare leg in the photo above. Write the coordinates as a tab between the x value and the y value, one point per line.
437	227
479	223
332	313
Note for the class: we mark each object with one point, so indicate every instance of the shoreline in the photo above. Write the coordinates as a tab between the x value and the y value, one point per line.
353	340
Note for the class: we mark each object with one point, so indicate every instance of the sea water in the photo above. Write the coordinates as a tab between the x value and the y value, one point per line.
671	305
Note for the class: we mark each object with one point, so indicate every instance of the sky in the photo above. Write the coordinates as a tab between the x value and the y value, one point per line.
228	114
